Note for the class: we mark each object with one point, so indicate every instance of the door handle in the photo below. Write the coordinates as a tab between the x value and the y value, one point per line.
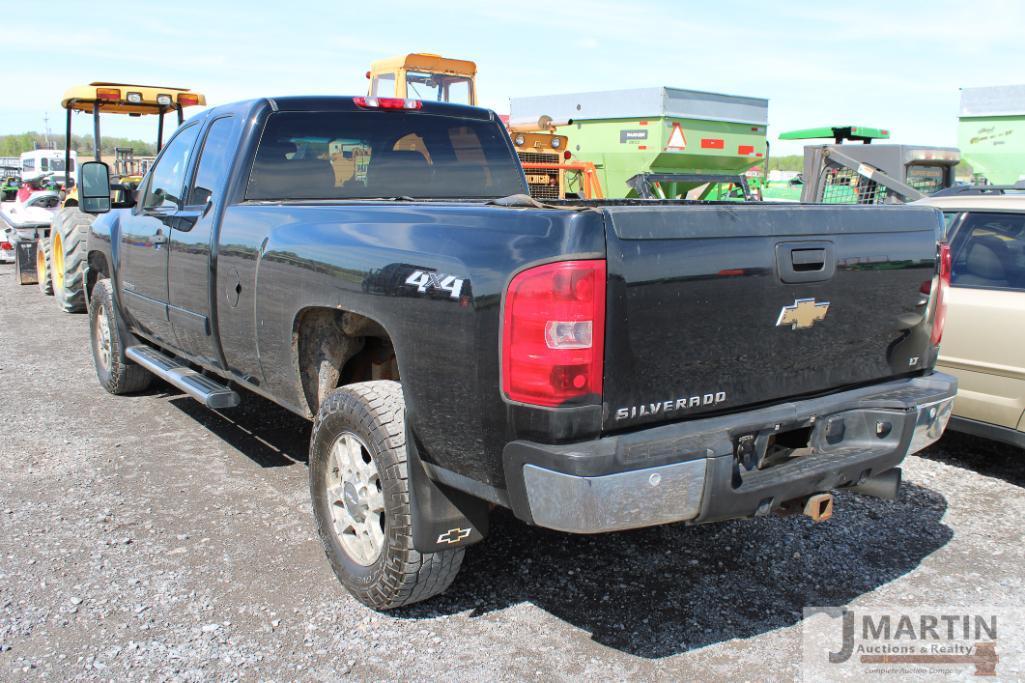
158	238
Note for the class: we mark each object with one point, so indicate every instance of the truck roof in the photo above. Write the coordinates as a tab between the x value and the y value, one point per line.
348	104
978	202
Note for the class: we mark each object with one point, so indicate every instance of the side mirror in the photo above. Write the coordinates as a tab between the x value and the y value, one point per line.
94	187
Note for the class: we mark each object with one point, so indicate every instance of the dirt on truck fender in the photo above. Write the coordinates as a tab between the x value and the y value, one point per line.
593	366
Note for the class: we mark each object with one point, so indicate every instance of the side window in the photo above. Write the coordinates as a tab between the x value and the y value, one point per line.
168	177
948	220
214	161
44	164
988	251
384	85
458	91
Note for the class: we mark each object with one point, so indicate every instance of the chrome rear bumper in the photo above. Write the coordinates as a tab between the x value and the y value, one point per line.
854	435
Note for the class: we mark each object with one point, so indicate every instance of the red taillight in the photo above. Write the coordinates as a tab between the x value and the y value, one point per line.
553	336
186	100
386	103
566	154
939	316
6	246
108	94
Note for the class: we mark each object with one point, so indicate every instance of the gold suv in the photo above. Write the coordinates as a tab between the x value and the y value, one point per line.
984	338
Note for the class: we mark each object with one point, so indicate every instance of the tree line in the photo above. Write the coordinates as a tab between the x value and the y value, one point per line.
13	145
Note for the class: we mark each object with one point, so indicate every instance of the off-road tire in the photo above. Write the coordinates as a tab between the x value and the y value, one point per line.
375	412
119	375
45	278
72	226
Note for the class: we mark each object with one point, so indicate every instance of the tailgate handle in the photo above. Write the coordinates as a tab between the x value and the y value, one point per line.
805	261
808	259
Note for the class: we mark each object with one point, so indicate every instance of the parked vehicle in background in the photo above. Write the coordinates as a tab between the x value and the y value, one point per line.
26	220
9	188
61	258
984	339
991	133
681	136
592	365
551	170
6	245
52	163
847	172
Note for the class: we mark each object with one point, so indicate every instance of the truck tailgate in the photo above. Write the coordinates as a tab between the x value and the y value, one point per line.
715	307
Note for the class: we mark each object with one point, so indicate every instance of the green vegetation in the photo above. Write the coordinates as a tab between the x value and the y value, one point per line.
791	162
13	145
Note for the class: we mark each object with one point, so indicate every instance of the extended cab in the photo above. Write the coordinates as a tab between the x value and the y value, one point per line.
373	265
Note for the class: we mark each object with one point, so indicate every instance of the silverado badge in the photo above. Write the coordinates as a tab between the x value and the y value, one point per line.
802	314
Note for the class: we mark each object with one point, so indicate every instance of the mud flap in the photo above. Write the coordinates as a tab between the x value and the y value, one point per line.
443	518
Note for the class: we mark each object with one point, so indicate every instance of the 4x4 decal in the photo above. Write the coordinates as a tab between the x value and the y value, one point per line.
426	281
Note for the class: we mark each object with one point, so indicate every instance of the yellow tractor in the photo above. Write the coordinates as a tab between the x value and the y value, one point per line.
60	256
545	156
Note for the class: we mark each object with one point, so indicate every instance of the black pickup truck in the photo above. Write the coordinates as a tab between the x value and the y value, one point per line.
373	265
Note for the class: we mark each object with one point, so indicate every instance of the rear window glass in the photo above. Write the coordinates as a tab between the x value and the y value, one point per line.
362	155
926	179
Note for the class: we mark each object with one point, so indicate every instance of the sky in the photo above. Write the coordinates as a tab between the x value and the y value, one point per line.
886	64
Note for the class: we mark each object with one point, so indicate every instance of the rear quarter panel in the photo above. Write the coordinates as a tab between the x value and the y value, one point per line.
357	257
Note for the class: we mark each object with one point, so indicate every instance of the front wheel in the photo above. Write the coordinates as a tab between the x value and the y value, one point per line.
361	499
116	373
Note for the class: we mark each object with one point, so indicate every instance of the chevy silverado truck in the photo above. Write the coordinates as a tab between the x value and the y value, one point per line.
373	265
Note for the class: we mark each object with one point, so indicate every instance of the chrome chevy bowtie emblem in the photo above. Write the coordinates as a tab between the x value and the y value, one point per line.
802	314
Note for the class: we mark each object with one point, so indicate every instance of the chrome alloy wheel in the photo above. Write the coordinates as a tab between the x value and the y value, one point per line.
102	338
356	498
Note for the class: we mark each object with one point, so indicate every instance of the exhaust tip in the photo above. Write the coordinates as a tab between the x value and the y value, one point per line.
884	485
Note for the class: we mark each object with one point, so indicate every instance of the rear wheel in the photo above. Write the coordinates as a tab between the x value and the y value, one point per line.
68	236
116	373
360	489
43	266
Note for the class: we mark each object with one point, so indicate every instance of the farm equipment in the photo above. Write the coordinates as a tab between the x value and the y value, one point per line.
128	167
671	142
61	255
865	173
551	171
9	187
991	133
25	219
52	164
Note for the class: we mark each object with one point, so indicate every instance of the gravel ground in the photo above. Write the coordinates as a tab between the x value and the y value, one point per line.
148	538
